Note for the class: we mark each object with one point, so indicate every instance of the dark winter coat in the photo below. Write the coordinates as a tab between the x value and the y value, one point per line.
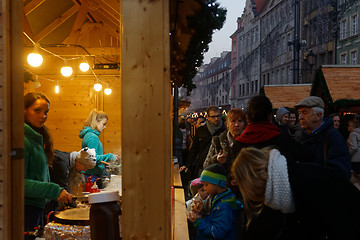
327	147
327	207
199	150
222	221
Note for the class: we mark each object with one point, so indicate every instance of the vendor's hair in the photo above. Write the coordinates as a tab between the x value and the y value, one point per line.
250	170
94	117
29	100
355	119
259	108
235	113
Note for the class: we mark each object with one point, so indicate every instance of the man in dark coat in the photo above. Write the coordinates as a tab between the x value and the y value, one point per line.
202	140
323	143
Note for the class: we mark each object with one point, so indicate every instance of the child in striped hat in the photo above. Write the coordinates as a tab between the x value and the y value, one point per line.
225	208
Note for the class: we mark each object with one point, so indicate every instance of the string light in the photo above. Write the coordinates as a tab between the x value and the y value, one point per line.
36	83
66	70
107	90
84	66
35	59
97	85
57	87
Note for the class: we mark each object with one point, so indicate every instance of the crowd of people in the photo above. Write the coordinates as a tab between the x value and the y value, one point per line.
288	175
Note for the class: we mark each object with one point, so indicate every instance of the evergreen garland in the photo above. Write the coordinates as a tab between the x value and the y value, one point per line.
320	88
209	18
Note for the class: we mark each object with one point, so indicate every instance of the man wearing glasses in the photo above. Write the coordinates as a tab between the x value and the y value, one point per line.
201	143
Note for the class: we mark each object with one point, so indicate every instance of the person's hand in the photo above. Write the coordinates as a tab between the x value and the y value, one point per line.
117	158
192	217
65	197
183	168
221	157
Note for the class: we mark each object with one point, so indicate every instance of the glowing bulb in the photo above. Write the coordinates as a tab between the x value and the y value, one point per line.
34	58
84	66
57	87
107	91
97	87
66	71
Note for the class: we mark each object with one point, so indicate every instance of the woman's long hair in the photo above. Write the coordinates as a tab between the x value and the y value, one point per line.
250	172
29	100
94	117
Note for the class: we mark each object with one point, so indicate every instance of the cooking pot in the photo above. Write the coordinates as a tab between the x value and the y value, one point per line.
73	216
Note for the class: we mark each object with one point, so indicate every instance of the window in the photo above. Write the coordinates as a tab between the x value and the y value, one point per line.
354	57
343	29
354	25
343	58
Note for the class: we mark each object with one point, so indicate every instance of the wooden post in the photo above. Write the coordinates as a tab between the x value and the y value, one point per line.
11	121
146	120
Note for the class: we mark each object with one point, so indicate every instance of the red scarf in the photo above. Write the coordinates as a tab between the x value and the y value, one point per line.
258	132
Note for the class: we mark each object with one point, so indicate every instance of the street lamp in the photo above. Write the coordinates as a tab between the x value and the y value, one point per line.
310	59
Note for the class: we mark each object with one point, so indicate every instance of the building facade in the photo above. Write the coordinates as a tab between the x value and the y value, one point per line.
348	44
212	84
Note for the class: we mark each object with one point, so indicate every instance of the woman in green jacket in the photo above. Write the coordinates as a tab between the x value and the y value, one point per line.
93	126
38	157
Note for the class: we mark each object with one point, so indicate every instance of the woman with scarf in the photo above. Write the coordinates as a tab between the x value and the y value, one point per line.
221	146
310	201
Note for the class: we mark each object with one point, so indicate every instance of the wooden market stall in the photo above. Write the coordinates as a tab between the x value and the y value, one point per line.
286	95
132	56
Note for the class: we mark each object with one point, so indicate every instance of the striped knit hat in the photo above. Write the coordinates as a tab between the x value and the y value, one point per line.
215	174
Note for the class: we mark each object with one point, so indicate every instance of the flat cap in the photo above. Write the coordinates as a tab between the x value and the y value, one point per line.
311	101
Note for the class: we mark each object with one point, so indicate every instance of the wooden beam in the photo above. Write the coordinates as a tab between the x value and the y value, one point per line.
146	104
77	51
27	29
78	23
109	10
57	22
113	4
112	27
32	5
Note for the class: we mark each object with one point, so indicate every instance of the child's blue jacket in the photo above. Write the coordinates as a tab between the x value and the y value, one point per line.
222	221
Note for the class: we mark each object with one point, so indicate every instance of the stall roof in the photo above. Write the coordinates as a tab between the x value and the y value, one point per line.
286	95
343	81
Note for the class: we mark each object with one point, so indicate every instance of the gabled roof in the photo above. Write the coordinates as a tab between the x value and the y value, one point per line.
343	81
286	95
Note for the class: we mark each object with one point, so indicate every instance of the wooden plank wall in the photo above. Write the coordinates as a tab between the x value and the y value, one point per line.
146	120
288	95
72	105
343	82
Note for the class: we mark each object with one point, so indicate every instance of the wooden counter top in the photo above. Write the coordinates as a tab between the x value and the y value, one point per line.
179	219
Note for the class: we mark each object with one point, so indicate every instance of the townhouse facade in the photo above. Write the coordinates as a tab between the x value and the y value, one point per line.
212	84
348	44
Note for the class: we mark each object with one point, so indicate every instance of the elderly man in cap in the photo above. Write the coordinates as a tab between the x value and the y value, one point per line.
323	142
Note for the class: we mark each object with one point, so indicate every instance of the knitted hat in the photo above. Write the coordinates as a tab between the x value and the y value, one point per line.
195	185
280	113
215	174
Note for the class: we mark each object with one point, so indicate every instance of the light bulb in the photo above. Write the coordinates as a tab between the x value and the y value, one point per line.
57	87
97	87
84	66
66	71
36	84
107	91
34	58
